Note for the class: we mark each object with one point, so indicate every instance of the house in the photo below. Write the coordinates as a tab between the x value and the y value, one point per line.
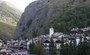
46	44
43	38
58	44
16	47
76	32
1	43
86	29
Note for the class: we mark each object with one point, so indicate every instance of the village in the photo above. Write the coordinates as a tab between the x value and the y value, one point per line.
21	47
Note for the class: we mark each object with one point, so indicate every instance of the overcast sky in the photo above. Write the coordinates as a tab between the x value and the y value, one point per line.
21	4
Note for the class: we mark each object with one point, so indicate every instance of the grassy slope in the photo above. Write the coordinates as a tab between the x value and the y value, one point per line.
9	16
6	31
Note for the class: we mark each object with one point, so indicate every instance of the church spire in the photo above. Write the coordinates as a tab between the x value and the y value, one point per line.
51	31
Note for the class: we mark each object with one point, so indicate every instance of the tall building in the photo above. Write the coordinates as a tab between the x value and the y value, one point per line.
51	32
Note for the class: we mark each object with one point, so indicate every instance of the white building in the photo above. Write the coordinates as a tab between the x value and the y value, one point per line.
1	43
51	32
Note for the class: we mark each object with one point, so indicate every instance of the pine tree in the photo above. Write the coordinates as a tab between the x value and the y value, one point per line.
72	48
39	49
36	48
31	48
62	50
52	50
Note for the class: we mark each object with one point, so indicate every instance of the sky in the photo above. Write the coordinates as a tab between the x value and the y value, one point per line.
20	4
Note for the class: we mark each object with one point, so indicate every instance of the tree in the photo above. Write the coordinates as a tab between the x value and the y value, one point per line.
31	48
39	49
52	50
84	48
36	48
63	47
64	50
72	49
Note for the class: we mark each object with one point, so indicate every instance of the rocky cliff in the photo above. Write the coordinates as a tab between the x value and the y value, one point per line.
38	15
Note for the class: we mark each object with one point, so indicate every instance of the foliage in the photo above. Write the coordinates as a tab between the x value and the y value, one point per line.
52	47
37	49
64	50
31	48
84	48
72	16
72	49
78	17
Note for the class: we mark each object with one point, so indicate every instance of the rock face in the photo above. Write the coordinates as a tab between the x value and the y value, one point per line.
33	18
37	15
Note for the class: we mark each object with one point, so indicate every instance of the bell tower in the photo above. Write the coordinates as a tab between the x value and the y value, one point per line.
51	32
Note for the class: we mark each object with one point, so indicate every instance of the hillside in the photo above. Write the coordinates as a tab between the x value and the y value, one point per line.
63	15
72	18
6	31
9	16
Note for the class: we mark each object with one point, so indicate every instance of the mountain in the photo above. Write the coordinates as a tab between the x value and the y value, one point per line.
8	13
9	16
63	15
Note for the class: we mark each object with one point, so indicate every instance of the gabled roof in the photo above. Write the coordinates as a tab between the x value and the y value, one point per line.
76	30
47	41
86	29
